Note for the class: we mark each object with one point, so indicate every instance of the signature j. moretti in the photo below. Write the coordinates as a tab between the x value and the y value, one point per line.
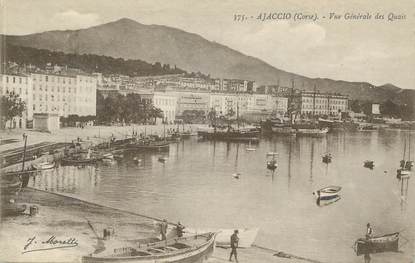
35	244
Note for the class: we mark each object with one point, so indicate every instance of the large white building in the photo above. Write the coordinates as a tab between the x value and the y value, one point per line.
167	103
42	92
315	103
22	86
64	94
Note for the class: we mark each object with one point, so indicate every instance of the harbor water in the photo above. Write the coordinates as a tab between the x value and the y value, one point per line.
195	186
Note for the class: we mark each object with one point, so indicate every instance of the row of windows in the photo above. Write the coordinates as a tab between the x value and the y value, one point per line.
18	91
54	108
58	89
325	101
164	102
308	106
53	79
69	80
14	79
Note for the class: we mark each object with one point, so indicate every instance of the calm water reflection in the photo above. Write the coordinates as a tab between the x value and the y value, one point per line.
196	187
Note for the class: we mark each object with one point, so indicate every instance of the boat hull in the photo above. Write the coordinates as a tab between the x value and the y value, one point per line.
386	243
78	162
198	254
157	148
312	132
327	193
246	136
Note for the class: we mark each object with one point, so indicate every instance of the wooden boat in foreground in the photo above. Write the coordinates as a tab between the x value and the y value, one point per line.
327	192
385	243
189	249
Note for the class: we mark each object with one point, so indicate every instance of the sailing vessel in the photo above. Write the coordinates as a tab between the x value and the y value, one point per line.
406	164
311	128
230	133
151	143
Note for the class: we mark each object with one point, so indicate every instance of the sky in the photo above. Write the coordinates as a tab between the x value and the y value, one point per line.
378	51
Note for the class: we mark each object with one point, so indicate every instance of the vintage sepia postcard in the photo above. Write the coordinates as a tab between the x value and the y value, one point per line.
190	131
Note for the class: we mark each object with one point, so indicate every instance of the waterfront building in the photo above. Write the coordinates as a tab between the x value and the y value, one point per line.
21	85
64	94
191	101
167	103
234	85
316	103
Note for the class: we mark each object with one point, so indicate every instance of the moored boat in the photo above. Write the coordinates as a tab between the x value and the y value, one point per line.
73	161
44	166
327	158
191	249
230	134
385	243
151	146
328	192
314	132
272	165
369	164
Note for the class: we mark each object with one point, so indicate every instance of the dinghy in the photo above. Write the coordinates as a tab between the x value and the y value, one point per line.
385	243
328	192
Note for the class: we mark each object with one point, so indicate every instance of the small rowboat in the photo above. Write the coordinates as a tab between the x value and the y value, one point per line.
162	159
272	165
369	164
236	175
328	192
403	173
44	166
272	153
385	243
194	248
107	156
327	158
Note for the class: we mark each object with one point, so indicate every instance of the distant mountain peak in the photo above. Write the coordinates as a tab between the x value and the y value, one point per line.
129	39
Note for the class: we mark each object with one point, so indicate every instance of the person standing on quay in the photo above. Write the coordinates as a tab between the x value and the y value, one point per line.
163	229
369	231
234	245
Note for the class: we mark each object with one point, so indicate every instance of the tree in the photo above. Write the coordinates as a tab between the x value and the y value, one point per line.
355	106
389	108
12	106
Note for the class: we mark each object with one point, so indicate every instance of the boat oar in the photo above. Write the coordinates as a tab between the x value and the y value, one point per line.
286	255
100	244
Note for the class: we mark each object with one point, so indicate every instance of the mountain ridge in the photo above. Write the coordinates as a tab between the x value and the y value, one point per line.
129	39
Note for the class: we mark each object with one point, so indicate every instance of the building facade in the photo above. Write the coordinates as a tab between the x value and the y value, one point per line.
22	86
315	103
64	94
167	103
